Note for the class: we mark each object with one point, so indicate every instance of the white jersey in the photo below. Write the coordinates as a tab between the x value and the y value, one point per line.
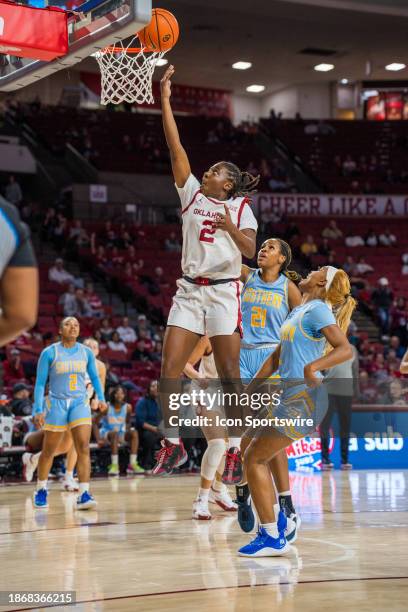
207	367
208	252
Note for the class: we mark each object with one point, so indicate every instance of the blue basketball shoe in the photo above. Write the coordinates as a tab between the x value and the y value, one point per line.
85	501
265	545
40	498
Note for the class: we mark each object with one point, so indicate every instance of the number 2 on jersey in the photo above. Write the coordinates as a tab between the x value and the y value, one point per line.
73	382
206	234
258	316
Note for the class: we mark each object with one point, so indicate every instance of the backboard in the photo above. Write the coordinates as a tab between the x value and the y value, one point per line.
103	23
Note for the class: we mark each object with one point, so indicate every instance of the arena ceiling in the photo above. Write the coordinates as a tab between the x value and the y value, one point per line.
272	33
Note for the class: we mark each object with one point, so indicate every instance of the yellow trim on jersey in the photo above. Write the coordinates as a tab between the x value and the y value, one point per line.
83	421
307	335
286	290
51	427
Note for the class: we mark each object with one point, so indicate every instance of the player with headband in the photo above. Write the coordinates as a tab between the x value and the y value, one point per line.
312	339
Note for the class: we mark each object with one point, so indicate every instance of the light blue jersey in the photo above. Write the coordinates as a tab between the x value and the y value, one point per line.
66	370
265	307
302	342
301	338
114	420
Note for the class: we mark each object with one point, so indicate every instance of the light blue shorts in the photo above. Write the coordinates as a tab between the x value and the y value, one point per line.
250	360
63	414
105	432
300	402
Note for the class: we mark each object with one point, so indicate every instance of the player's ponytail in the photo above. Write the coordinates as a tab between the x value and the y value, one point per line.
243	183
286	251
339	296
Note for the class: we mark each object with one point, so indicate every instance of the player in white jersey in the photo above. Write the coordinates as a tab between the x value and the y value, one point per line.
206	381
218	228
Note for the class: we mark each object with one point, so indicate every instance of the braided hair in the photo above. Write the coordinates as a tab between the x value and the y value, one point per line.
243	183
286	251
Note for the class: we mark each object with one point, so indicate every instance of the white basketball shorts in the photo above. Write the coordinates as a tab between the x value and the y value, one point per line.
214	310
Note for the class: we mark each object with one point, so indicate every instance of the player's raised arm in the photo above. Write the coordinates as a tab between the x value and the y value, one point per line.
179	160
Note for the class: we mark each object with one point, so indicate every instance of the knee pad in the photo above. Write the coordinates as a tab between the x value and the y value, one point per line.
212	458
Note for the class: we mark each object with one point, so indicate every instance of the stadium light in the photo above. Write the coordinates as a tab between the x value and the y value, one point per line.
255	88
324	67
242	65
344	81
395	66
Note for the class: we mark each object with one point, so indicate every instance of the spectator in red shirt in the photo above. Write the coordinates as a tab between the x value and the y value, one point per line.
12	368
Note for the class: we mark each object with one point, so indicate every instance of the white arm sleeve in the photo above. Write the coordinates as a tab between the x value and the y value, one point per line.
247	220
189	190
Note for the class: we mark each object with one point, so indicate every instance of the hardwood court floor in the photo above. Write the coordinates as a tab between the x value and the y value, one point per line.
141	551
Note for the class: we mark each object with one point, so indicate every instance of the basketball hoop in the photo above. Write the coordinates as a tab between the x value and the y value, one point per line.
127	73
127	69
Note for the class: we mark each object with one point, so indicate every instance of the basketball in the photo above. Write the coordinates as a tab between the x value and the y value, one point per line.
162	32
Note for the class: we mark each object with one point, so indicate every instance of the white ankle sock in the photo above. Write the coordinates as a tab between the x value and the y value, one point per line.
41	484
115	459
271	529
203	494
174	440
83	486
280	493
132	458
69	474
234	442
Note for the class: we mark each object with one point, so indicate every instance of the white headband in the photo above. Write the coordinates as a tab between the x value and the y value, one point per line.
330	274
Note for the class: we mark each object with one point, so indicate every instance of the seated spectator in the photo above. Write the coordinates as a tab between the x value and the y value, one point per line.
140	353
106	330
82	306
156	355
115	428
144	335
148	418
13	191
21	404
12	368
75	230
371	239
349	266
379	369
332	232
367	389
68	301
143	325
387	239
158	282
112	379
94	300
395	345
58	274
324	248
362	267
126	332
349	166
172	244
354	241
382	298
116	344
399	320
98	337
309	247
331	260
404	264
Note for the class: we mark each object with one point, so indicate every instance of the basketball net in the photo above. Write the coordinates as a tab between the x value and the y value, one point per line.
127	73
